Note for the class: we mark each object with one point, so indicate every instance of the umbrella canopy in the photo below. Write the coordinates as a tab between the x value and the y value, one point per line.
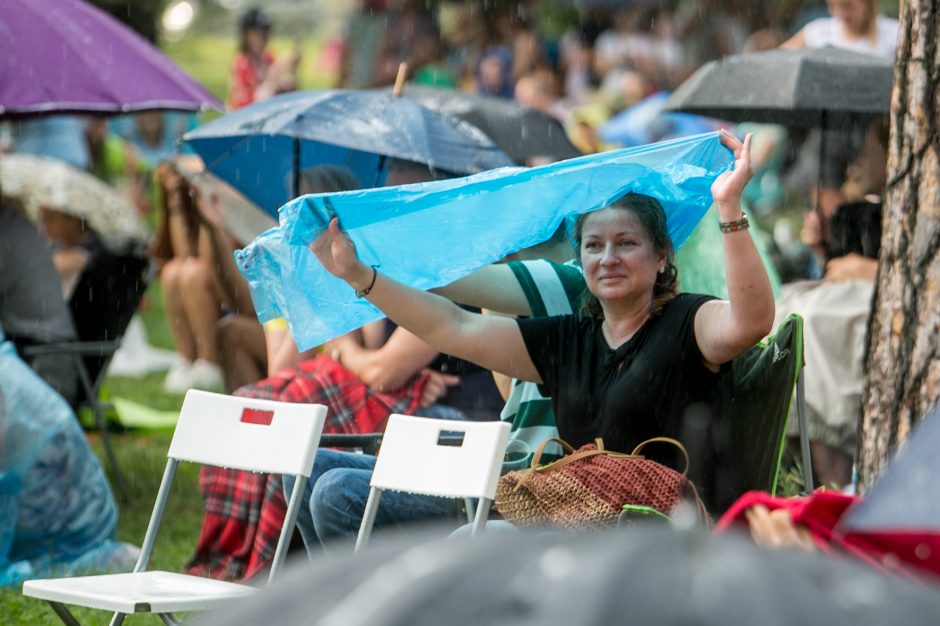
645	575
37	182
261	149
522	132
243	219
809	88
63	56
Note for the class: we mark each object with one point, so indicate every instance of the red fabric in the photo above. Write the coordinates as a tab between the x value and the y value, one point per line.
899	551
243	511
245	78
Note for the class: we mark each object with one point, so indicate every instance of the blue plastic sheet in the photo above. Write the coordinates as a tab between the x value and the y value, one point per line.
431	234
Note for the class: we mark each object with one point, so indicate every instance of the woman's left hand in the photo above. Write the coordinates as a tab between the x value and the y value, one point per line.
337	253
728	186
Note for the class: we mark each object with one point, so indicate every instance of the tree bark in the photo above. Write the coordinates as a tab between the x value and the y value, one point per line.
903	363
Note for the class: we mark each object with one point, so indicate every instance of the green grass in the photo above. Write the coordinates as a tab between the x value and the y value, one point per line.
142	457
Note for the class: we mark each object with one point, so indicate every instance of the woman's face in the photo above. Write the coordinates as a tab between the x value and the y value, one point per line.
618	256
852	13
256	40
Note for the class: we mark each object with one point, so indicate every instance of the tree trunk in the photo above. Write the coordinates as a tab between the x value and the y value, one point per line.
903	362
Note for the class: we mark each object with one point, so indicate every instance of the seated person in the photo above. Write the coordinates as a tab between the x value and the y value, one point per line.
32	309
362	378
197	289
57	513
73	244
249	353
835	315
836	309
677	342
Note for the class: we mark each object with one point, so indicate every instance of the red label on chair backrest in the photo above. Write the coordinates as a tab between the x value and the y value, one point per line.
257	416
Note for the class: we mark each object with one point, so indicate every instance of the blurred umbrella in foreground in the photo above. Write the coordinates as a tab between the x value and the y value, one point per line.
261	149
640	575
38	182
523	133
66	56
900	515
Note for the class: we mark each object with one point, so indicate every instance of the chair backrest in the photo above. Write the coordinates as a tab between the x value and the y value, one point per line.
107	293
248	434
412	457
756	394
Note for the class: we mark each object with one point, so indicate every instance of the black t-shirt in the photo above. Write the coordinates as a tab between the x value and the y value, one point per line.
653	385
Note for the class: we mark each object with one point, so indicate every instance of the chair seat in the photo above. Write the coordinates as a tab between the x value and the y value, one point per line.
143	592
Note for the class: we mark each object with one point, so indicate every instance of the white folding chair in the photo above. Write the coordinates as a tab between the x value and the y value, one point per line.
213	429
437	458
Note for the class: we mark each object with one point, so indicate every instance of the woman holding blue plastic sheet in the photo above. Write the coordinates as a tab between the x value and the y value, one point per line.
640	358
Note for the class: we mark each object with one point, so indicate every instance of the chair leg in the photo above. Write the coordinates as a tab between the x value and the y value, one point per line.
479	520
368	518
169	620
804	434
91	391
64	614
117	619
109	452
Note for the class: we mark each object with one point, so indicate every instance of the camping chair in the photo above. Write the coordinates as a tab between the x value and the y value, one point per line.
213	429
420	455
757	392
102	305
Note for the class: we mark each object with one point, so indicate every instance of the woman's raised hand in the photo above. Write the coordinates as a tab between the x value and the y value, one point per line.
728	186
337	253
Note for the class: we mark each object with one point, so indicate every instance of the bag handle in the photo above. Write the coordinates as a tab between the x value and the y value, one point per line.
538	451
574	456
682	449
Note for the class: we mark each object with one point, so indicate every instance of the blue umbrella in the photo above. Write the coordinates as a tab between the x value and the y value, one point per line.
261	149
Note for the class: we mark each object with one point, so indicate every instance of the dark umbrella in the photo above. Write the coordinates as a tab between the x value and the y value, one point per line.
522	132
821	87
261	149
66	56
643	575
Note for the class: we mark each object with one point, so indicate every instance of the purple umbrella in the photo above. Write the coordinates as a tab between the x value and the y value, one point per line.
66	56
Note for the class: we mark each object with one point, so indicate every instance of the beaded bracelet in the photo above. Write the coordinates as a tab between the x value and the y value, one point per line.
730	227
368	290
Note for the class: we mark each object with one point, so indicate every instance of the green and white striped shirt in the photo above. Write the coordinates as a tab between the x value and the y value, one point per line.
550	289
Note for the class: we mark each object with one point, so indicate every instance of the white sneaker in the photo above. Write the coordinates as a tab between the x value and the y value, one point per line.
206	375
178	377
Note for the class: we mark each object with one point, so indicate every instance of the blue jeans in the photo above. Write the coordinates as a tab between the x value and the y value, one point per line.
336	494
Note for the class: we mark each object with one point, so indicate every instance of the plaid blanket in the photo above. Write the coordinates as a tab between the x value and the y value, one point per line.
243	511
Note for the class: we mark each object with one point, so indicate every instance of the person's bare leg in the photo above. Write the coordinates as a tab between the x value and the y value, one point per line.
241	351
170	285
831	466
202	304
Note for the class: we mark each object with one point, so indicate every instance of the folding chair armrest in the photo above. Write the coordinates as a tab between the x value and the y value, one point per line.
81	348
